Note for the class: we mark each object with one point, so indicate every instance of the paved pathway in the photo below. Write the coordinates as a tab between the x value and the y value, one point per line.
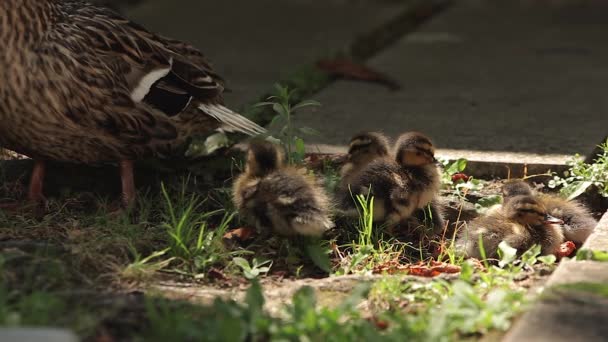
575	305
487	76
253	44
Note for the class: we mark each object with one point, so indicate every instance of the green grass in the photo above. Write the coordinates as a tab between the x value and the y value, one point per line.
177	235
370	248
581	176
181	242
190	240
281	127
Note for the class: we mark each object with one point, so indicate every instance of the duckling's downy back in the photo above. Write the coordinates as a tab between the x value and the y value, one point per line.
522	223
578	223
280	198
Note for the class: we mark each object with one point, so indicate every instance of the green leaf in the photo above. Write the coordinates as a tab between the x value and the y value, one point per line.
306	103
319	256
300	147
255	297
309	131
280	109
530	256
242	263
547	259
283	131
263	104
304	302
579	189
467	271
487	202
506	253
457	166
278	120
215	142
588	254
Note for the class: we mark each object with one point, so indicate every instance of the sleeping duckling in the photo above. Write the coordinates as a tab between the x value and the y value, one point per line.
401	185
363	148
522	223
280	198
578	221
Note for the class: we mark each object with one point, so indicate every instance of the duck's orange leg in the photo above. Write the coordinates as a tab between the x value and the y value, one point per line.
128	183
35	194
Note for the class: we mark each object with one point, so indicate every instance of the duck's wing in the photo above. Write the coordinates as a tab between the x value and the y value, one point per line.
168	75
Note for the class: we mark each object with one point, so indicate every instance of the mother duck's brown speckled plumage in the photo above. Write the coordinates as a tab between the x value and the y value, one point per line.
80	83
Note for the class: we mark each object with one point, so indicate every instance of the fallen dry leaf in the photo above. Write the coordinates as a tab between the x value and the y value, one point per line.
421	269
241	234
380	324
216	274
343	67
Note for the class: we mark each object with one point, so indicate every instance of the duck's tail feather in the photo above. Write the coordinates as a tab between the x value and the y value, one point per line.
231	121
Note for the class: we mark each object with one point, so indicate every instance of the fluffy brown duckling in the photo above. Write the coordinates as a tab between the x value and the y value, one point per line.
401	185
522	222
278	197
363	148
578	221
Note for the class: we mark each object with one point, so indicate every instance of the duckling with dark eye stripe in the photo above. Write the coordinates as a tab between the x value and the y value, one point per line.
522	222
578	221
363	148
416	154
401	185
280	198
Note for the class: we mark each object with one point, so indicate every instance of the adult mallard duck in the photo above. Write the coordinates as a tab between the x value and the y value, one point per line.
80	83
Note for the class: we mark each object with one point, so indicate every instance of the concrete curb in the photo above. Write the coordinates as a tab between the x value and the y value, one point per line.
34	334
566	314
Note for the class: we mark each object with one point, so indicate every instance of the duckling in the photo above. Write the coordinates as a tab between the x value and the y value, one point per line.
401	185
578	221
82	84
416	154
510	189
522	222
424	223
363	148
515	187
280	198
